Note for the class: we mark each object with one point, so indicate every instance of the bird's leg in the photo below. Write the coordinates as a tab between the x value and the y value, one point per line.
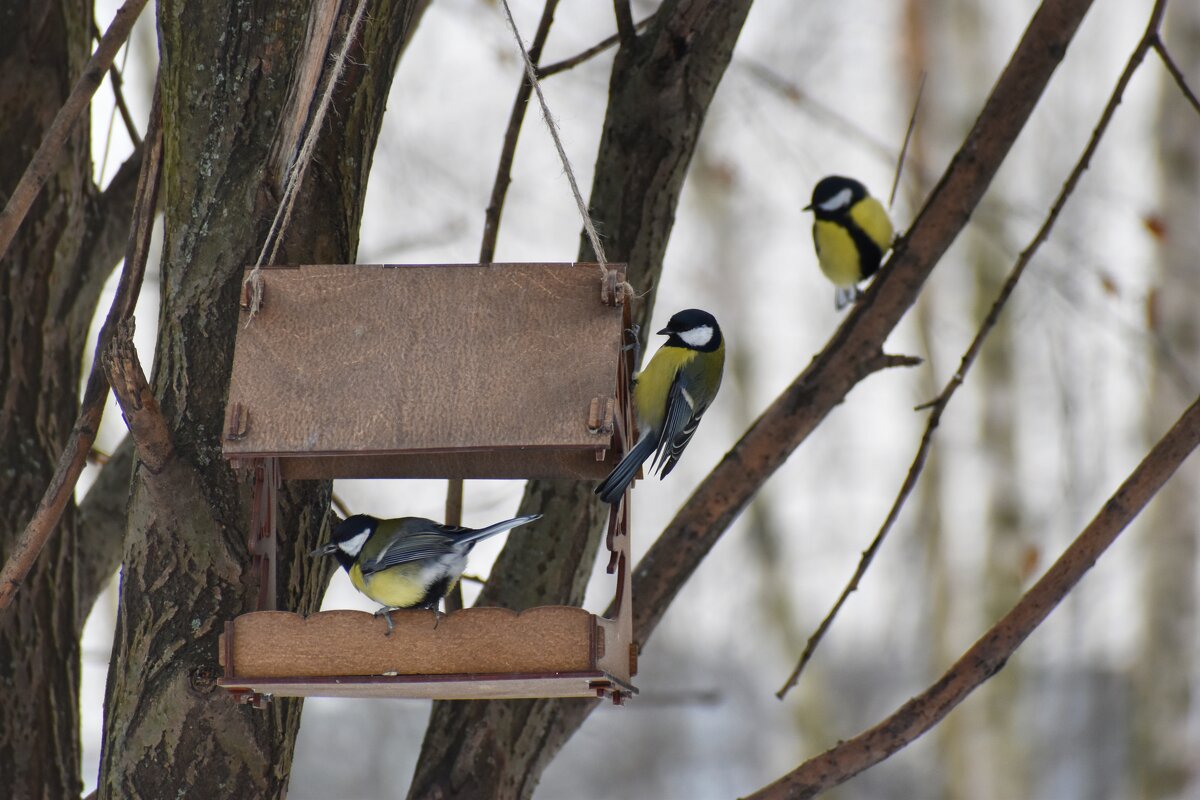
634	332
437	614
386	613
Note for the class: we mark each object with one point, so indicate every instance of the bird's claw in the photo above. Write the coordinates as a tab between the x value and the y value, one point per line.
633	332
386	613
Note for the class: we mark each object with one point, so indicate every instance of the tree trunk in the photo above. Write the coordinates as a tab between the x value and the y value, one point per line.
43	46
1163	735
225	79
661	86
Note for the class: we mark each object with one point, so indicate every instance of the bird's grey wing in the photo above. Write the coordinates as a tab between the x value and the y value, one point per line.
408	548
679	424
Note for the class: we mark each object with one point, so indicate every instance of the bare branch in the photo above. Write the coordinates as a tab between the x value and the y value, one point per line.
50	150
491	220
938	405
988	655
1176	73
114	75
71	462
591	52
912	124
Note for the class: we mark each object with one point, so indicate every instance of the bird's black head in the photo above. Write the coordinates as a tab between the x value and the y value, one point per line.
348	538
693	329
834	195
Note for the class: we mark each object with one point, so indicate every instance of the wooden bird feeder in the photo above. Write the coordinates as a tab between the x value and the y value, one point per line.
438	371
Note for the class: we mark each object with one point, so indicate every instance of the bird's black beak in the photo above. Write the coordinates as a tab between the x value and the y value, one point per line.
665	332
807	207
324	550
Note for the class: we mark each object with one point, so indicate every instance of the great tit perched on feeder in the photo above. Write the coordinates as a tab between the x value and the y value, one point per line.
408	562
670	396
851	232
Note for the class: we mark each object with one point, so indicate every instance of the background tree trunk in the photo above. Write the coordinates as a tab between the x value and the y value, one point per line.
1164	740
225	77
44	313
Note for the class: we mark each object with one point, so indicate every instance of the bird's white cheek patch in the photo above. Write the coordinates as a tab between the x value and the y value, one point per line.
355	543
697	337
839	200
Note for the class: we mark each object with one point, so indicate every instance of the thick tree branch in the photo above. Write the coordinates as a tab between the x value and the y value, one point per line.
939	405
50	151
101	521
71	462
988	655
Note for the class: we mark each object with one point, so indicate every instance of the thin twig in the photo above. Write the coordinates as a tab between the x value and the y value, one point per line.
938	405
83	434
49	152
516	117
1176	73
912	124
118	83
989	654
589	226
591	52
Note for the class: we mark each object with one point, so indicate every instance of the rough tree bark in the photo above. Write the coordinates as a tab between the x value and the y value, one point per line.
662	83
227	67
50	280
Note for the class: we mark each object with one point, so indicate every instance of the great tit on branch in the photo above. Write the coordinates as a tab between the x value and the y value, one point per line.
670	396
851	233
409	562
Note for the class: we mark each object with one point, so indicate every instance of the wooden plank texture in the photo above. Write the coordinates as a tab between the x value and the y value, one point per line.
384	361
280	644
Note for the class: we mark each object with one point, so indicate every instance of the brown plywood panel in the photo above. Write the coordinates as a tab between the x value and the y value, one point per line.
280	644
355	359
446	687
513	463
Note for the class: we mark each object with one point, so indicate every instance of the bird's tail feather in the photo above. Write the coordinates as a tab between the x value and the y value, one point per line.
611	489
499	527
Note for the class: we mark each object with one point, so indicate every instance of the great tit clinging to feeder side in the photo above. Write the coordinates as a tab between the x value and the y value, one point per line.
408	562
670	396
851	232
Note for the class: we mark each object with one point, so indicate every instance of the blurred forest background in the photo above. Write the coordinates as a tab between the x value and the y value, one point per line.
1094	357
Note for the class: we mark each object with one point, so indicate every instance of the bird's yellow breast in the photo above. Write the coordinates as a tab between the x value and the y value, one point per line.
397	587
836	253
654	382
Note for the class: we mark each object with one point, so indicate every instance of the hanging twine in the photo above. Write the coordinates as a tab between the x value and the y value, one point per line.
588	226
299	164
